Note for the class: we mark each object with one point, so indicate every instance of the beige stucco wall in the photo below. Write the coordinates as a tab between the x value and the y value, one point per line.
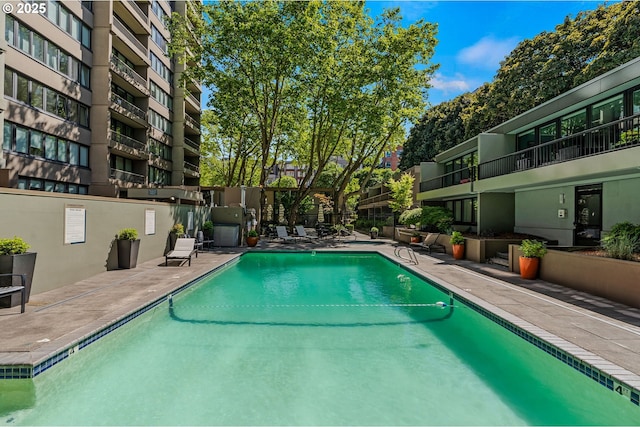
39	218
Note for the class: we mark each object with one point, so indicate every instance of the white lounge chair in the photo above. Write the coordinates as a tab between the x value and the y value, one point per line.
282	234
302	233
183	249
430	243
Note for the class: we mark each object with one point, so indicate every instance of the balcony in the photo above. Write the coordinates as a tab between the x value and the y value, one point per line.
192	147
128	110
119	67
380	200
461	176
128	146
191	170
129	42
192	104
618	135
191	124
125	176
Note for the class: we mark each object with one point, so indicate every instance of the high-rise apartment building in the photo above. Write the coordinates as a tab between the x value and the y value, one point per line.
92	101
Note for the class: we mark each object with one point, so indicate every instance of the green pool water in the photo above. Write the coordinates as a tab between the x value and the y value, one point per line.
311	339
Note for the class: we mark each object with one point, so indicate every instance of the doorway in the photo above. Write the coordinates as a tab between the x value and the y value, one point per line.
588	220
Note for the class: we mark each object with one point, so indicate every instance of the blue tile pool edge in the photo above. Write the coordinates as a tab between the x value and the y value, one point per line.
25	371
599	376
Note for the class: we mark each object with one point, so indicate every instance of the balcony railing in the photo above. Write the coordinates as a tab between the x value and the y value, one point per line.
129	35
136	111
125	176
461	176
129	73
129	142
192	144
190	167
140	12
194	100
617	135
191	122
384	197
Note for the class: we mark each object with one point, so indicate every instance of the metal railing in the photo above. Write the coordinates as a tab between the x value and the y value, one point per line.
461	176
383	197
120	101
140	12
192	144
123	69
193	99
191	167
129	35
129	142
127	176
193	123
617	135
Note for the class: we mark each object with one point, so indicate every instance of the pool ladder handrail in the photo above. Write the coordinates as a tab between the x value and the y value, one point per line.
412	258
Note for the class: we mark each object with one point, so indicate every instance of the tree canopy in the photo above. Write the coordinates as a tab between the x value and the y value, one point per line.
537	70
306	82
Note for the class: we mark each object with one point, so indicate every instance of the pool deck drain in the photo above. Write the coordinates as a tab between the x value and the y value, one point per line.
602	333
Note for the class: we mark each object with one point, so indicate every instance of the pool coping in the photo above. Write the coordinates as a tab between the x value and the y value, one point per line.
604	372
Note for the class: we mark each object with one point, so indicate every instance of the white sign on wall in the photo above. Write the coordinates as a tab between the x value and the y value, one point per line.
149	221
75	224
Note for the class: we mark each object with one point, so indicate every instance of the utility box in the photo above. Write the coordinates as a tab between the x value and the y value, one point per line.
226	235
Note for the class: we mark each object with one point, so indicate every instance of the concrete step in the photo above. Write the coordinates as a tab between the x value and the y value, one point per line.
503	255
499	261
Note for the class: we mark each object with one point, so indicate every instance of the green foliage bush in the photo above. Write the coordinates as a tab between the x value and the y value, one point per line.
128	234
533	249
14	246
410	217
622	241
436	219
456	238
252	233
178	228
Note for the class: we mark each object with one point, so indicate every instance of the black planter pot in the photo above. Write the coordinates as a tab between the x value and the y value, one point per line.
17	264
128	253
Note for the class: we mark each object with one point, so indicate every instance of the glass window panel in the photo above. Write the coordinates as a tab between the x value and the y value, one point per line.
59	187
62	107
52	56
85	73
7	137
49	185
35	148
83	115
52	11
35	184
467	210
73	111
24	39
22	183
73	189
38	47
607	111
119	163
50	147
74	153
8	83
76	28
64	63
82	189
86	37
22	140
636	102
37	95
23	89
548	133
64	19
62	150
526	140
52	101
573	123
457	214
9	32
84	156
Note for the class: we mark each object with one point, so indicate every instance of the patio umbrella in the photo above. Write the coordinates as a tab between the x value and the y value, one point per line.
269	215
321	213
281	214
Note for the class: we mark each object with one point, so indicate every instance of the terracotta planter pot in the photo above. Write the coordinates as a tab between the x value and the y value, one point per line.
529	267
415	239
252	241
458	251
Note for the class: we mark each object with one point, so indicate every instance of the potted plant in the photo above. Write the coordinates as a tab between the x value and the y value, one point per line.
252	238
176	231
128	246
207	229
457	243
416	237
532	251
14	259
373	232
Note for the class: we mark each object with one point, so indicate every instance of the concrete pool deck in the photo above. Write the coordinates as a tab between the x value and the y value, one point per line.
603	333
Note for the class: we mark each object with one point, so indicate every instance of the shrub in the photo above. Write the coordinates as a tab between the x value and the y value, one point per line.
533	249
456	238
128	234
374	229
178	228
207	228
436	218
622	241
410	217
252	233
14	246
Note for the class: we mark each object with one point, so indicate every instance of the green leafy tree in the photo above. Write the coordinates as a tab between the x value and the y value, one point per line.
401	192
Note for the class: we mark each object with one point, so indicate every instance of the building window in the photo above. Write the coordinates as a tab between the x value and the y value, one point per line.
161	96
548	132
9	31
464	211
607	111
636	102
573	123
38	184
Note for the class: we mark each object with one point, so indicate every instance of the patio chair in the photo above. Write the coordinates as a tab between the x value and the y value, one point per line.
302	233
184	249
430	243
282	234
7	288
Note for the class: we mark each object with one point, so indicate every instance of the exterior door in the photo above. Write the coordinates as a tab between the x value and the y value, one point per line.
588	221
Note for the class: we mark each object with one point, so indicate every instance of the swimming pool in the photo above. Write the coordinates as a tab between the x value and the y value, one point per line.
303	338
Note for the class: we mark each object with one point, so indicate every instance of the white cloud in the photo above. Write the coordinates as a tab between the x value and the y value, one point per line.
487	52
456	84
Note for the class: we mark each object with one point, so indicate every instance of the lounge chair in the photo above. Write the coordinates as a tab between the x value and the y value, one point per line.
430	243
302	233
282	234
7	288
183	249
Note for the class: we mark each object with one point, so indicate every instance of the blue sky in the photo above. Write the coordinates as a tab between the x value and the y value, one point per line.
474	36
